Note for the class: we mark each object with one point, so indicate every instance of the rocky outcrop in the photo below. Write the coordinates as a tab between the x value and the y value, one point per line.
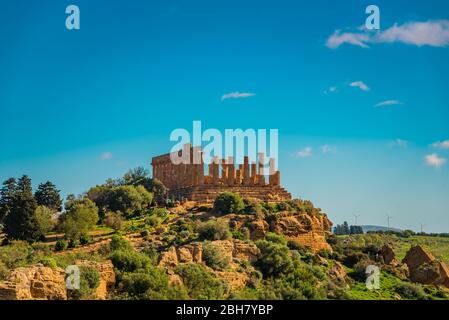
107	277
34	283
193	253
425	268
388	255
307	230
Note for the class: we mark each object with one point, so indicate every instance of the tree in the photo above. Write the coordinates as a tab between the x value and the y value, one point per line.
213	230
48	195
274	259
114	220
228	202
21	222
129	199
44	218
80	216
7	193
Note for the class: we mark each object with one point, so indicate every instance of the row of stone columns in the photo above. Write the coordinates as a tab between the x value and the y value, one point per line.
187	173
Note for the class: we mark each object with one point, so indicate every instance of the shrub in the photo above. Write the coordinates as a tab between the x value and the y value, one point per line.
73	243
253	206
44	217
114	220
276	238
119	243
201	284
17	254
153	221
80	216
4	272
214	257
213	230
85	239
49	262
61	245
228	202
89	282
274	259
129	261
410	291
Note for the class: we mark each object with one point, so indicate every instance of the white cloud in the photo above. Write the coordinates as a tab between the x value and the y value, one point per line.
331	90
338	38
398	143
388	103
359	84
434	33
441	144
304	153
328	149
106	156
237	95
434	160
430	33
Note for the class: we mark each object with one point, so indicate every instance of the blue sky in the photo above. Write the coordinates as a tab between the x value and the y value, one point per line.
77	107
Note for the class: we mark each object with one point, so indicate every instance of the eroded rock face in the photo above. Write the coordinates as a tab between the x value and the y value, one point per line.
34	283
425	268
192	253
308	230
388	255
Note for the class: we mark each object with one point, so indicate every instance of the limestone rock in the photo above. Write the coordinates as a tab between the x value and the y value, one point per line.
425	268
308	230
34	283
258	229
388	255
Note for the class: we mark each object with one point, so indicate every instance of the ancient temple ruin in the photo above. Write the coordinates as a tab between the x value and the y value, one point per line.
186	179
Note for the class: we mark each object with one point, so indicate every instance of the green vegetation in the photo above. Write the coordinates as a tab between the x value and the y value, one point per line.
228	202
213	230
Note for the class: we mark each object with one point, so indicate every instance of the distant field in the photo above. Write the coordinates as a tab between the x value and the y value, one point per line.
437	245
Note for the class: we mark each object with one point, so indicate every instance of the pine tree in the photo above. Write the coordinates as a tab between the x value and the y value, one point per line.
48	195
21	222
6	195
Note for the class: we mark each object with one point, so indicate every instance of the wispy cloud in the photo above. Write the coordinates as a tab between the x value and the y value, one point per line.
328	149
434	33
434	160
304	153
359	84
399	143
237	95
330	90
106	156
338	38
388	103
441	144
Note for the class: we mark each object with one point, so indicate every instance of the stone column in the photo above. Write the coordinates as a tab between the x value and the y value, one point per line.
245	171
231	171
253	179
261	175
224	172
215	173
272	176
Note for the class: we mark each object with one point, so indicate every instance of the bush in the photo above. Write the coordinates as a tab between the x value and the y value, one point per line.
44	217
73	243
153	221
85	239
119	243
228	202
129	261
213	230
17	254
410	291
200	283
276	238
49	262
81	215
61	245
114	220
253	206
214	257
4	272
89	282
274	259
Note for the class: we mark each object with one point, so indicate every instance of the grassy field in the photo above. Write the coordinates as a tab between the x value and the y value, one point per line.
438	246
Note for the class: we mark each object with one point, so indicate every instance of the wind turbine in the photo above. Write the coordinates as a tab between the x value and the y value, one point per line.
356	216
388	220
